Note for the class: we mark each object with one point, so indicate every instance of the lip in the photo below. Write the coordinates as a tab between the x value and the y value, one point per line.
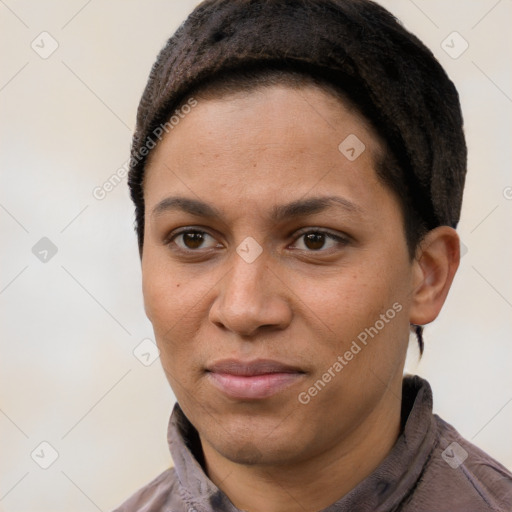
252	380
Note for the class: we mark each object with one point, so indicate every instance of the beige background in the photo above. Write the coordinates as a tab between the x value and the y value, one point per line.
69	326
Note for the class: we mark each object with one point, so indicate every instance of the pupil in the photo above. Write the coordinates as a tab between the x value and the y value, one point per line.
314	241
193	240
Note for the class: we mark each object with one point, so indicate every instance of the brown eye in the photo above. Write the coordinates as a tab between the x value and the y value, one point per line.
314	241
193	239
319	241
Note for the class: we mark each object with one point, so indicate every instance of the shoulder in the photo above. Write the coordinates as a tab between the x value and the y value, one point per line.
154	496
459	476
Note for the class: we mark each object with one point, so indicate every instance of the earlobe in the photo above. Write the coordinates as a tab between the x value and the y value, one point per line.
435	265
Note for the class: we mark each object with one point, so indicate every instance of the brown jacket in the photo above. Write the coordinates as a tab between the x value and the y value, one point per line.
431	468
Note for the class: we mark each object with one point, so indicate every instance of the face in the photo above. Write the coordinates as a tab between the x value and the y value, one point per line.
276	274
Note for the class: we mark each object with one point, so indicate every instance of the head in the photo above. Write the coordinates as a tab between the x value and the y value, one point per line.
272	122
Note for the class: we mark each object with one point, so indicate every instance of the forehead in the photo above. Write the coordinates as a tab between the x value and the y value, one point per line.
264	142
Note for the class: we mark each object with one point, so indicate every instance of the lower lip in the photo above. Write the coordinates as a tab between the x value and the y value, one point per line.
255	387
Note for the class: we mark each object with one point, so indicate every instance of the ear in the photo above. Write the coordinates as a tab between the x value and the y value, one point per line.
436	262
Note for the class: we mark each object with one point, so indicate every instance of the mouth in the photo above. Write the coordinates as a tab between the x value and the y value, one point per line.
252	380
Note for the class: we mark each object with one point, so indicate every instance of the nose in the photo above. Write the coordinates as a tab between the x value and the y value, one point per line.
251	298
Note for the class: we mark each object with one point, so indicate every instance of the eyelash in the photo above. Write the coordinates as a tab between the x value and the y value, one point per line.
342	240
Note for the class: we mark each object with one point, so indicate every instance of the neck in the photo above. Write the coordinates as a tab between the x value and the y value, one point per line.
315	483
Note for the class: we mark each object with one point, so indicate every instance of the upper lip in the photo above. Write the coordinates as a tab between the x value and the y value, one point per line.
251	368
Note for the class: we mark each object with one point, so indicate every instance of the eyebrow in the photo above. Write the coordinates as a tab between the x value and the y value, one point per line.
295	209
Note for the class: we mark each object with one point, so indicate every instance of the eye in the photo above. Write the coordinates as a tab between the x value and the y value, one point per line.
316	240
193	239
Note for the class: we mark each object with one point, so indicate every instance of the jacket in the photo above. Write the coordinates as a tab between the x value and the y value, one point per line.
431	468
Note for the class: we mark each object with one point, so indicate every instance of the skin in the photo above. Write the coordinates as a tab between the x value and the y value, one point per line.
300	302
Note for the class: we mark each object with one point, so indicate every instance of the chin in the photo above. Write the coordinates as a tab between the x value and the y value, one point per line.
256	442
259	452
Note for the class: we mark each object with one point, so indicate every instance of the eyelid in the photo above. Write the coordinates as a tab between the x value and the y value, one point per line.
187	229
340	239
323	231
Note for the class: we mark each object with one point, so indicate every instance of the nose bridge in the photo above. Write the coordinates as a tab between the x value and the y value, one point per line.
249	296
247	279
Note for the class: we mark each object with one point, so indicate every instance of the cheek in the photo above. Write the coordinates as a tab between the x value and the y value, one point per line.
366	341
364	316
166	292
176	307
165	298
168	310
158	289
355	298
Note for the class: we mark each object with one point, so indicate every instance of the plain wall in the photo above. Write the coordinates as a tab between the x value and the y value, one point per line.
69	326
